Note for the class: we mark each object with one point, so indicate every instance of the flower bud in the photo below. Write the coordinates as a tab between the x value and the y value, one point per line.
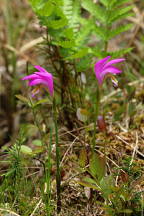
101	123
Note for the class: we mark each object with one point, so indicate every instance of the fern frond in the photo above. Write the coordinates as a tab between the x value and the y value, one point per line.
46	10
42	8
101	32
71	9
76	14
79	54
66	44
119	13
67	9
118	30
105	2
97	11
86	28
120	52
115	3
56	24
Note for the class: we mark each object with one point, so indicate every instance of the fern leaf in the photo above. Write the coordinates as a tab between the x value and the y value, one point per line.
120	52
67	9
80	54
97	11
71	9
84	63
66	44
35	3
84	32
46	10
119	13
105	2
56	24
118	30
68	33
115	3
76	13
42	8
101	32
57	2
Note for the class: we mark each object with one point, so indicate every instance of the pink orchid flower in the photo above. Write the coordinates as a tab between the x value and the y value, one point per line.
104	68
41	79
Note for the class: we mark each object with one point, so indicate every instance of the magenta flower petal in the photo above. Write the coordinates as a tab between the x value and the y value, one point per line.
37	81
114	61
102	68
51	87
41	78
99	78
32	76
39	68
101	63
111	69
45	75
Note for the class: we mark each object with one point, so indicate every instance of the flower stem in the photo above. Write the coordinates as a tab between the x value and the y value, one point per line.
58	175
48	178
96	112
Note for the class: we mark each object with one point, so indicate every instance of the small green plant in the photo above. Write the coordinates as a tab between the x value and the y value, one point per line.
120	198
13	179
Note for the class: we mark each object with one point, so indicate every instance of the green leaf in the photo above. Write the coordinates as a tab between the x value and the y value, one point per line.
25	149
126	211
95	10
105	2
97	166
107	185
101	32
68	33
84	63
56	24
57	2
66	43
22	98
118	30
119	13
86	184
74	22
120	52
37	142
116	3
90	180
80	54
42	101
46	10
83	158
71	9
36	3
32	130
83	35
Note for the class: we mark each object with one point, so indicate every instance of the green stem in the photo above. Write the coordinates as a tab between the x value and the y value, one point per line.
47	172
105	160
96	112
105	46
48	177
36	121
58	175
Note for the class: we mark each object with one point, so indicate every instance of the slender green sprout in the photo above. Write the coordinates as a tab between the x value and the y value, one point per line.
58	176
